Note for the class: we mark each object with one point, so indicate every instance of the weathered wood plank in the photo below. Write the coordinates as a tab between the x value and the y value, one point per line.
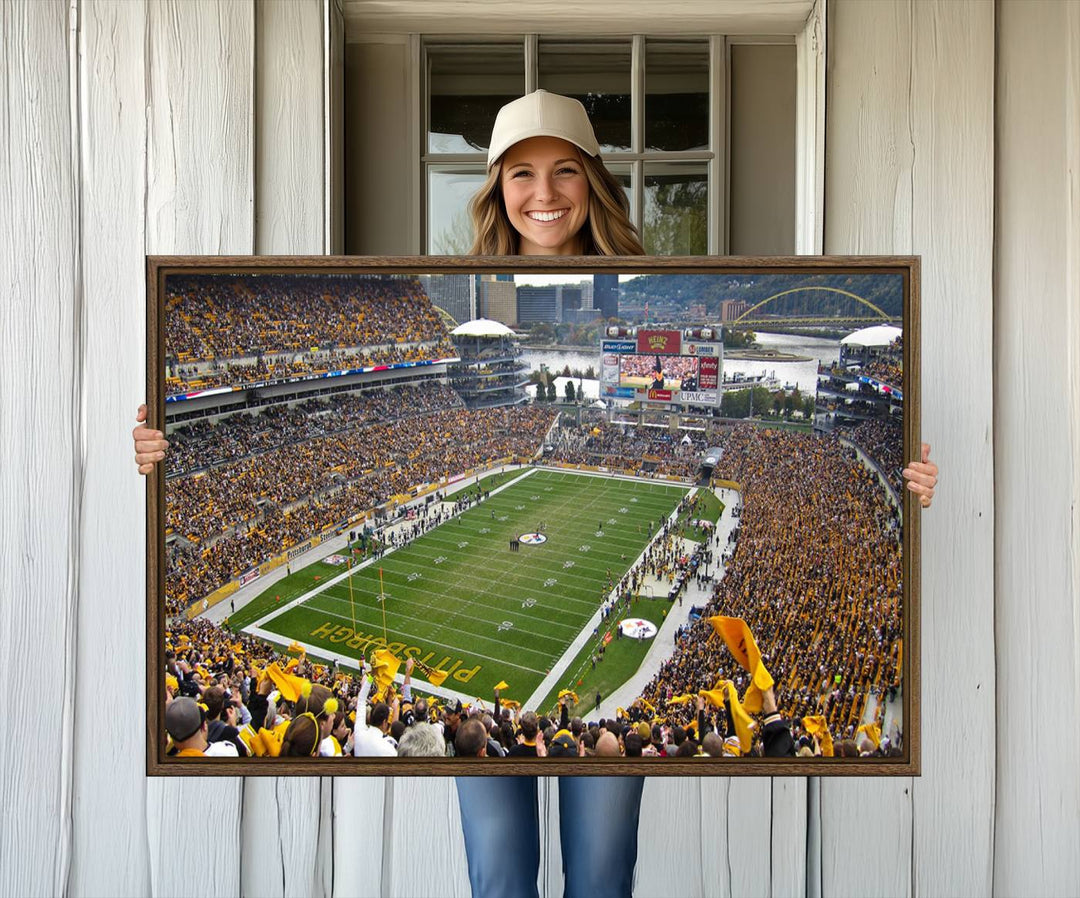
282	828
40	442
910	170
200	186
361	821
553	17
670	837
749	836
868	151
179	807
790	799
199	196
279	835
714	822
1037	448
110	797
813	837
953	229
868	195
289	130
424	822
551	873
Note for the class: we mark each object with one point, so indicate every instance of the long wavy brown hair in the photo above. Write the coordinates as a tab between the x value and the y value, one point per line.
607	231
301	739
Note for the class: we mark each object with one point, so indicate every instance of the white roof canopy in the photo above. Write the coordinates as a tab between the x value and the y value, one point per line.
482	327
876	335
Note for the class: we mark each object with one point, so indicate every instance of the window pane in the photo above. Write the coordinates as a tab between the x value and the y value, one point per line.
676	95
623	175
467	84
676	209
449	191
597	74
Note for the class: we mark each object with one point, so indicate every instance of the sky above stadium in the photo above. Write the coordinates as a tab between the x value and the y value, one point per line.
542	280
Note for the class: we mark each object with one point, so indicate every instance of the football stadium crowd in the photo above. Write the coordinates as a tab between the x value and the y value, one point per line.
228	695
207	445
308	478
876	430
886	371
887	365
813	568
652	449
814	571
883	441
223	330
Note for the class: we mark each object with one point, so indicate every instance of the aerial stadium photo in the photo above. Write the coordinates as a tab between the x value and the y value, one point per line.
449	513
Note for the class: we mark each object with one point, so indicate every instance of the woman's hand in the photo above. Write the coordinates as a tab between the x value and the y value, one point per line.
150	445
922	477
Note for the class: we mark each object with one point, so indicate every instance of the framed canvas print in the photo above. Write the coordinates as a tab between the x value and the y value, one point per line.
432	516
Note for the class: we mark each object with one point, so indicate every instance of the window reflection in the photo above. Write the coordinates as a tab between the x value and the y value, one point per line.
676	209
676	95
450	231
597	74
467	85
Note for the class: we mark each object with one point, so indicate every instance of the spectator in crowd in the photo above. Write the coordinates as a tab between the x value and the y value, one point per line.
713	745
302	737
472	739
374	739
219	729
607	745
422	740
371	738
319	701
563	745
185	723
528	738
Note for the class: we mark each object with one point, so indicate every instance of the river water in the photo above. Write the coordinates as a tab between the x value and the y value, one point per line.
802	374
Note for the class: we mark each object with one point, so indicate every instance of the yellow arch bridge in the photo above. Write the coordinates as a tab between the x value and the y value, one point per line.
872	312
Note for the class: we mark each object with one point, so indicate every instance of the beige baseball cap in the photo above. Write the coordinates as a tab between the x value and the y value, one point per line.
541	114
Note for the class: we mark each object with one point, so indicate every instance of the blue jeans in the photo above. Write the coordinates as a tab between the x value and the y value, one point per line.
598	824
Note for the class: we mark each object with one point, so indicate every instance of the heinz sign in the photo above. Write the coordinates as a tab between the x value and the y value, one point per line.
659	342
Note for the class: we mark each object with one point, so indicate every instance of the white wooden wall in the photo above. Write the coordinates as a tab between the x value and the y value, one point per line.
1037	450
910	169
199	127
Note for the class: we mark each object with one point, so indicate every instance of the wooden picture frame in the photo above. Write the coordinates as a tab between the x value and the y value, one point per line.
866	387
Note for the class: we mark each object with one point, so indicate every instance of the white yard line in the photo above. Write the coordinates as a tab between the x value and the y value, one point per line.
560	667
664	642
557	670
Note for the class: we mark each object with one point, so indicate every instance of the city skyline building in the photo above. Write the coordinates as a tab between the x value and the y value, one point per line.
453	293
606	294
497	299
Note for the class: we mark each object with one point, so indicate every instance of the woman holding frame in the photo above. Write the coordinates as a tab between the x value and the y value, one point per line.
547	193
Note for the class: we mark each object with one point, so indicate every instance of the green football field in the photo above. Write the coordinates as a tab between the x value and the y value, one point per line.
460	600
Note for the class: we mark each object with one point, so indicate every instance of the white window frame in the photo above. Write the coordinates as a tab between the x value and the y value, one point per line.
810	126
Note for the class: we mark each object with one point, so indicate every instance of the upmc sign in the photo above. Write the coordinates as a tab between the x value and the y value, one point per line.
659	342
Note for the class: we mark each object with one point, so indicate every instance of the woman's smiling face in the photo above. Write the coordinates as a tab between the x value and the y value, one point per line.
546	195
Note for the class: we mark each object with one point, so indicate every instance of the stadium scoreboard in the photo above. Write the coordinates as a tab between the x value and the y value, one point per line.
662	367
